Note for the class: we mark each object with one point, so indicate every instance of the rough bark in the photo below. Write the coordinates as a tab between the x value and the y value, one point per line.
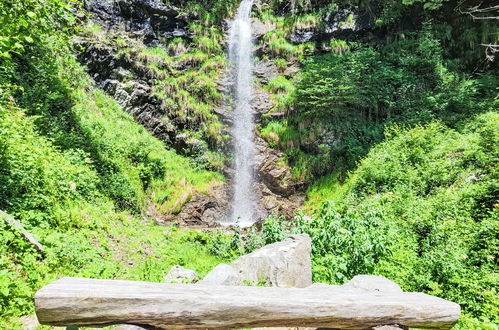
88	302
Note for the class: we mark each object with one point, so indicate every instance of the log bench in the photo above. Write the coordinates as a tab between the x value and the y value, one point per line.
99	303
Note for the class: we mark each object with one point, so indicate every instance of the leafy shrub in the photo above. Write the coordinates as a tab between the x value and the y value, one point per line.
342	104
36	178
433	192
344	243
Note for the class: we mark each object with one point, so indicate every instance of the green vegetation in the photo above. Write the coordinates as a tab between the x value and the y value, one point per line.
78	172
396	133
356	95
184	74
400	143
421	209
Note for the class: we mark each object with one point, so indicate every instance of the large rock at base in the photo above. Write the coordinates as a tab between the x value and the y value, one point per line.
222	274
282	264
179	274
374	283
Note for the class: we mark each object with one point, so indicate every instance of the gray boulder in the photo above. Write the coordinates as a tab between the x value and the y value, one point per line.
222	274
373	283
282	264
179	274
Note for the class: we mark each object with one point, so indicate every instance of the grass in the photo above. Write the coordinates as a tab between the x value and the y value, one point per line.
95	194
280	85
326	188
121	247
184	75
107	122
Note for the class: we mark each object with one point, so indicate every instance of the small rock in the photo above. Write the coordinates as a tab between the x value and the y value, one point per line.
373	283
179	274
30	322
222	274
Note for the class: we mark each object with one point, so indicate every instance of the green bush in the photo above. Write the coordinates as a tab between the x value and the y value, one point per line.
426	201
35	178
342	104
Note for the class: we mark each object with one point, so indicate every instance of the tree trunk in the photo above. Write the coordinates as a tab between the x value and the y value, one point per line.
88	302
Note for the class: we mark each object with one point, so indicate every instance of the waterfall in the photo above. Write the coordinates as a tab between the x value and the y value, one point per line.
241	56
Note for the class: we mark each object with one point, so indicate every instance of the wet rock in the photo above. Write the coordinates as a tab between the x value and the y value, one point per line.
272	172
260	28
261	103
342	20
204	209
373	283
302	36
179	274
265	70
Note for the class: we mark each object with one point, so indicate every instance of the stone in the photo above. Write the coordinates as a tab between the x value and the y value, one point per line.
260	28
273	172
204	208
151	19
283	264
179	274
261	103
29	322
373	283
265	70
302	36
96	303
222	274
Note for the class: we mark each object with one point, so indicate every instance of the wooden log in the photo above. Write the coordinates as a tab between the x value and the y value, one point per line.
16	225
98	303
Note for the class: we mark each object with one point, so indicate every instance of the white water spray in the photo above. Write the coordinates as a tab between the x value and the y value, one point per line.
244	203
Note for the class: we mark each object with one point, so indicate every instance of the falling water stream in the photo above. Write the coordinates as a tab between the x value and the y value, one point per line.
240	56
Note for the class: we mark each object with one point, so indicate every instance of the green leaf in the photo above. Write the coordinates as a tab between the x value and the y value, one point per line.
31	14
28	39
5	291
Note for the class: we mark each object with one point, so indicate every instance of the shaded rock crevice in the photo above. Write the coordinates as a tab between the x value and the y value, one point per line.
150	19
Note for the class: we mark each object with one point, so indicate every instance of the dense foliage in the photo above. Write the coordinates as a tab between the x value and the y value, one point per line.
354	96
397	133
77	171
400	137
420	209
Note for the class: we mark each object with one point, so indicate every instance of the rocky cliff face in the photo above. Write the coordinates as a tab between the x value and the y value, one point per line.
150	20
117	57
